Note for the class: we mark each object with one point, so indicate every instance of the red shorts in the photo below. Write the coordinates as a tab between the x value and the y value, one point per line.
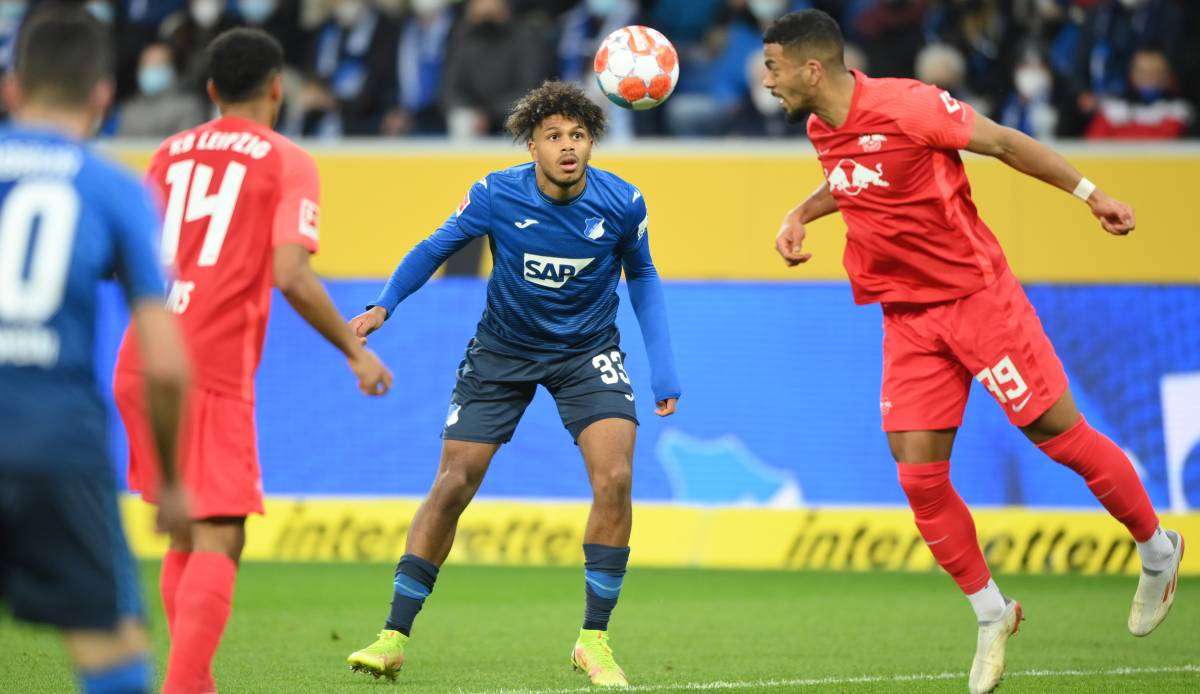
931	353
218	450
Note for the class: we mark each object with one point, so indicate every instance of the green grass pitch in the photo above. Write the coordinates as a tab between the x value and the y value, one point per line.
490	629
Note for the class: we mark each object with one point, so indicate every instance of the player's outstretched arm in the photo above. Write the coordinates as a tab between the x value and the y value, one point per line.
650	306
303	290
1033	158
789	241
165	373
471	220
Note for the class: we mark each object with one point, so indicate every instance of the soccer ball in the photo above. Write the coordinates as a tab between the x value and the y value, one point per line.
636	67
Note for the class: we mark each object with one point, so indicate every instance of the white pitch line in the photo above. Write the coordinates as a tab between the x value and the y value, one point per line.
864	679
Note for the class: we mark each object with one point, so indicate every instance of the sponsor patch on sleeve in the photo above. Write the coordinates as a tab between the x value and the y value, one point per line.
309	217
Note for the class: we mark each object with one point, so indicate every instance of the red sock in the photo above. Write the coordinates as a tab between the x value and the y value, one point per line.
945	522
202	604
173	565
1109	475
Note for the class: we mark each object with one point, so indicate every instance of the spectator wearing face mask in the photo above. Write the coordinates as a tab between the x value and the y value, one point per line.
188	32
1114	30
1030	107
420	61
160	108
494	59
1149	108
353	61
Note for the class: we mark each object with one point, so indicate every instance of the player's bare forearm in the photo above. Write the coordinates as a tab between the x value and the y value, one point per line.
789	242
820	204
1023	153
1035	159
304	291
165	373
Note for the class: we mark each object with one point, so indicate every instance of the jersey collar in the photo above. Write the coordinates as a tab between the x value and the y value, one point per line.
858	86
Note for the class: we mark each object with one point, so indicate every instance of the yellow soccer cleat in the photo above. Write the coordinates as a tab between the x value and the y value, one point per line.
384	658
594	656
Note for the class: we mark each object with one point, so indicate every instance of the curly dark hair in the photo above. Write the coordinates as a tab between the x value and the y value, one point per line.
555	99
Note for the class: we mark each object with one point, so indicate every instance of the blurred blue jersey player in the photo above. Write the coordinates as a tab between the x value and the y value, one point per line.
67	220
561	233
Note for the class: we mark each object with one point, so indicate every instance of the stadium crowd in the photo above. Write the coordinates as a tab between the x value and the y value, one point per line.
1111	69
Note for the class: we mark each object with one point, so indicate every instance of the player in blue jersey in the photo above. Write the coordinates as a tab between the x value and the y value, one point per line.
560	232
67	220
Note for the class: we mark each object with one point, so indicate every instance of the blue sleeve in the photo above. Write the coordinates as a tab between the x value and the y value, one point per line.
136	229
646	295
469	221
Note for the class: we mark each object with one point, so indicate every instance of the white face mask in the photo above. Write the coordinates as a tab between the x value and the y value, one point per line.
207	13
766	10
348	13
428	7
1032	82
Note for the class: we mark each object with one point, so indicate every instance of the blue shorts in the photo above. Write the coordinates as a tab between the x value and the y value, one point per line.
64	560
493	389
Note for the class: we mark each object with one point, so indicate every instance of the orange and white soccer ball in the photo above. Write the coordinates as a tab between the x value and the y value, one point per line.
637	67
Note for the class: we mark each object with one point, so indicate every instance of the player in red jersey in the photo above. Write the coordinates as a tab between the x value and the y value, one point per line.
952	310
241	215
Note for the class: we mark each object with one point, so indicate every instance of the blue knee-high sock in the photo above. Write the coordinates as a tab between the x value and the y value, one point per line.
604	571
414	583
133	677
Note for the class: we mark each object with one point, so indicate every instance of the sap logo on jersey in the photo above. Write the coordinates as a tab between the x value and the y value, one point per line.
553	272
852	178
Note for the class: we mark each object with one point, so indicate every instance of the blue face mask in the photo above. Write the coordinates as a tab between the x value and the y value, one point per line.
1149	94
11	11
257	11
601	8
102	11
155	79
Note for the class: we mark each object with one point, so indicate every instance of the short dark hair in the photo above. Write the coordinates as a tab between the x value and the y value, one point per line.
812	32
242	61
62	54
555	99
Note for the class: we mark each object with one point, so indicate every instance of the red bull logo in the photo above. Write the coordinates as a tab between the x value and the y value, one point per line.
872	143
852	178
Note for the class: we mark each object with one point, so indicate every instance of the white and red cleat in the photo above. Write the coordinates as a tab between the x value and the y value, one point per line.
988	668
1156	593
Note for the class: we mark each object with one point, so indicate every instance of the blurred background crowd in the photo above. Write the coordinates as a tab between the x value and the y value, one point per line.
1102	69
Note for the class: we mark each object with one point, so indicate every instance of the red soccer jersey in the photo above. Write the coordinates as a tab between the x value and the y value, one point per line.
913	234
233	190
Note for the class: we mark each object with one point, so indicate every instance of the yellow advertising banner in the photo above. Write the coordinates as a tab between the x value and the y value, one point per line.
1014	540
714	211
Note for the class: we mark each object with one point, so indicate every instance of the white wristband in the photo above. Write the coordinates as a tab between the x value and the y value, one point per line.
1084	190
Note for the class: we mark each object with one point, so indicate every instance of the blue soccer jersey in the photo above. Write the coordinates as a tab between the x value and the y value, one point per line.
556	266
67	220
